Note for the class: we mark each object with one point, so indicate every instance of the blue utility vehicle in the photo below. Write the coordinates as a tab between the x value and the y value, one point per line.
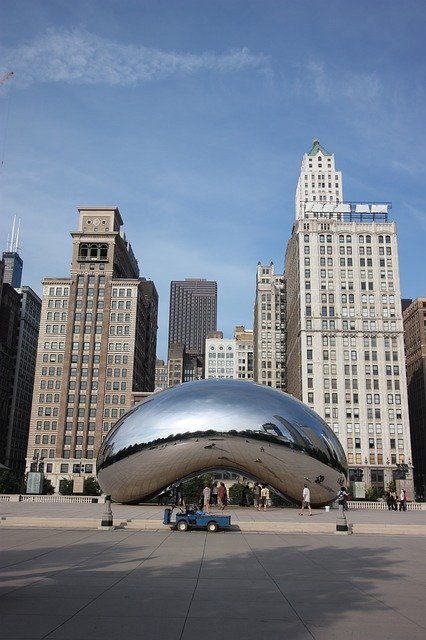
191	519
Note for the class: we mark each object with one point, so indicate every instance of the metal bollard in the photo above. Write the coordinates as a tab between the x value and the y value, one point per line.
107	518
341	523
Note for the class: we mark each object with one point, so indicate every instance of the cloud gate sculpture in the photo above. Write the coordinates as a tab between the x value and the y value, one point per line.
230	425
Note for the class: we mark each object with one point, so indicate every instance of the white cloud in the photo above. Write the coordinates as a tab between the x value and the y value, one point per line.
77	56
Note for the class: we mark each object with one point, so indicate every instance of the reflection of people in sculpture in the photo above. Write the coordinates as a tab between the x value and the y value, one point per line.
206	498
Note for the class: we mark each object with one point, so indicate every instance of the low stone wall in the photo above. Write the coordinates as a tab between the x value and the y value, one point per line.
366	504
12	497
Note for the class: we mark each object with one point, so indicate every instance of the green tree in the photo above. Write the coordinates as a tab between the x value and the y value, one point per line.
194	486
91	487
66	487
373	493
10	482
48	488
236	493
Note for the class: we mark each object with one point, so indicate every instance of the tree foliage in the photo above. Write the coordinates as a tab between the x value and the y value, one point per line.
10	482
91	487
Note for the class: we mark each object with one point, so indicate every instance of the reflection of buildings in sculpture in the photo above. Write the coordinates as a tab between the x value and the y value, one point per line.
96	346
415	352
269	328
344	322
220	425
230	358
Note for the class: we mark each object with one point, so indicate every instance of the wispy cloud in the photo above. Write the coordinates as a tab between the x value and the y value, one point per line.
417	215
77	56
330	83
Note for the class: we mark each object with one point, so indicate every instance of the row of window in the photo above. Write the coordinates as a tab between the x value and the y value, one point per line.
362	239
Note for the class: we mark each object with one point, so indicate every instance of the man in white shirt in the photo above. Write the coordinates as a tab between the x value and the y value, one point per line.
306	500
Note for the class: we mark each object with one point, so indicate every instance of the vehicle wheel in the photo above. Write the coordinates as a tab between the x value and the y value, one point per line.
212	527
182	525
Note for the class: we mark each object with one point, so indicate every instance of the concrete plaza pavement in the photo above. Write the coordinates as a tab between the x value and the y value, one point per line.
81	584
149	517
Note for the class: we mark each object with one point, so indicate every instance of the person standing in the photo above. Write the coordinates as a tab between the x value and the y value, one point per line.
306	500
342	498
403	500
214	494
245	496
221	496
206	498
256	495
264	497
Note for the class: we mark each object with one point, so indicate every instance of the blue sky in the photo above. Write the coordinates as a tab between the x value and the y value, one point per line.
192	116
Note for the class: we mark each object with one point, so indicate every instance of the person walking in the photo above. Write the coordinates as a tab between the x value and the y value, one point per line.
264	497
306	500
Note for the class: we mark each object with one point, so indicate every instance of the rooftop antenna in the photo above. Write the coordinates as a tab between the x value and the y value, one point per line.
13	239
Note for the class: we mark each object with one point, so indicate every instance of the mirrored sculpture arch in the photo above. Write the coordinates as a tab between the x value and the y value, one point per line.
230	425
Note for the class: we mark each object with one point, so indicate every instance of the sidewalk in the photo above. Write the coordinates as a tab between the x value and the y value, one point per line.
149	517
73	584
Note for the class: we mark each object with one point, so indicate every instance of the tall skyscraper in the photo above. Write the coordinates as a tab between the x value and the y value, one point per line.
96	345
345	337
9	329
19	326
193	313
13	262
269	328
23	379
415	352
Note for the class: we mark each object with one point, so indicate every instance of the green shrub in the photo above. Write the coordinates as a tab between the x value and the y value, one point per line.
374	493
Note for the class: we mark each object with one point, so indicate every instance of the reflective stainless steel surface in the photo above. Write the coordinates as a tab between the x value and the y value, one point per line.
221	424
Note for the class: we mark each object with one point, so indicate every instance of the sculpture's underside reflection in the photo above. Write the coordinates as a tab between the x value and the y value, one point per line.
221	424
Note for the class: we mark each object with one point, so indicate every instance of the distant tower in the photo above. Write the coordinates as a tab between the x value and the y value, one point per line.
12	260
193	313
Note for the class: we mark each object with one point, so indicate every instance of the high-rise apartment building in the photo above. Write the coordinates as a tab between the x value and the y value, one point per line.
96	346
269	328
415	353
345	340
193	313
